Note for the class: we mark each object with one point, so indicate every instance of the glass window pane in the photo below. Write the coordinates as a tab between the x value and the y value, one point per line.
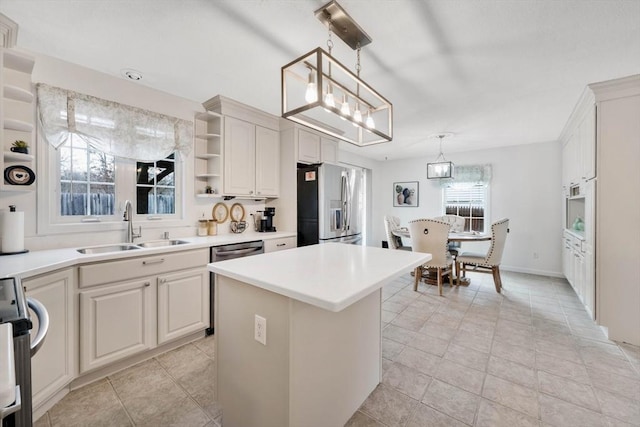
73	199
145	200
165	201
145	173
101	167
79	165
165	173
65	163
102	199
78	142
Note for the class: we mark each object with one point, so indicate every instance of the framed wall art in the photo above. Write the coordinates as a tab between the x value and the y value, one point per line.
405	194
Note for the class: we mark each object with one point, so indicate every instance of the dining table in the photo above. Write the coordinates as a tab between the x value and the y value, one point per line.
454	236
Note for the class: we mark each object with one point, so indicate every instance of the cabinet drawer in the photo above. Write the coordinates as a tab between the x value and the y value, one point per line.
115	271
273	245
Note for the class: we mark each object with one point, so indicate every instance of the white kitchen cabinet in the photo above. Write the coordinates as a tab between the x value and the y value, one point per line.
183	303
116	321
267	162
251	149
17	117
617	247
273	245
328	150
132	305
600	155
308	146
53	367
208	153
239	157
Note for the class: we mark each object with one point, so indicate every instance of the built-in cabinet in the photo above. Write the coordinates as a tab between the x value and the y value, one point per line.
17	118
183	303
133	305
250	150
54	366
600	155
208	154
274	245
313	147
617	208
116	321
252	159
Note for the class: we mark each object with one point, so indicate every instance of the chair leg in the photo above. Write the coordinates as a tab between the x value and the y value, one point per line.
457	273
451	276
496	278
418	274
440	281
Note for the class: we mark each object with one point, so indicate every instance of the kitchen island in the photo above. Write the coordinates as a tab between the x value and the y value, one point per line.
322	353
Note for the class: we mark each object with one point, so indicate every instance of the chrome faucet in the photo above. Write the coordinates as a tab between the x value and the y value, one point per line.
128	218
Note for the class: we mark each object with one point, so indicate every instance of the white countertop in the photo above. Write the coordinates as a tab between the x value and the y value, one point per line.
39	262
331	276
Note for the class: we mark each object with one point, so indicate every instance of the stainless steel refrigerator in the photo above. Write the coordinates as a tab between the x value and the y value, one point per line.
330	204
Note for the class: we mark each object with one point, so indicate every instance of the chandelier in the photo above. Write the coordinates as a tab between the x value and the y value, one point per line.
321	93
441	168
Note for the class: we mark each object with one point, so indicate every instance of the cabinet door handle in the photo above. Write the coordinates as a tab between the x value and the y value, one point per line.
163	281
147	284
281	244
155	261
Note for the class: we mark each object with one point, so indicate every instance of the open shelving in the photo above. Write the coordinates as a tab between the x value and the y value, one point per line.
18	115
208	154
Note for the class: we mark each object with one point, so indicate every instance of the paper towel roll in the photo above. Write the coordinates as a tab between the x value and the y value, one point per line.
12	232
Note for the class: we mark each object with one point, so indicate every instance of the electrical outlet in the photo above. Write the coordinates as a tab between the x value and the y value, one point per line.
260	330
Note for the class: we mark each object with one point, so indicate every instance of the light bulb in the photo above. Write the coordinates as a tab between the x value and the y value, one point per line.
328	98
369	122
357	115
311	95
345	109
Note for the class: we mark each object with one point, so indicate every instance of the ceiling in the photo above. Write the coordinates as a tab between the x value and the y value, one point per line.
492	72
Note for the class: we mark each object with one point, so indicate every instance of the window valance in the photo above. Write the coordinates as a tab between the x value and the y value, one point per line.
469	174
113	128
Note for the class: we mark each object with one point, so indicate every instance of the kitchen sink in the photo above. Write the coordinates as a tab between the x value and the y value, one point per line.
118	247
161	243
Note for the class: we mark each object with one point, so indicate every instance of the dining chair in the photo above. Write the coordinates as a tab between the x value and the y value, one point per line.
489	262
457	226
392	223
430	236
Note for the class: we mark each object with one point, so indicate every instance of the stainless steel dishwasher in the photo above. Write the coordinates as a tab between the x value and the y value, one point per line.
226	252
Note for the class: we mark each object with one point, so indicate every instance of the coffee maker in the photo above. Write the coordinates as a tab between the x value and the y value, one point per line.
266	223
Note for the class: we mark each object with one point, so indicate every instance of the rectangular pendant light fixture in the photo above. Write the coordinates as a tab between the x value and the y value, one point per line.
321	93
439	170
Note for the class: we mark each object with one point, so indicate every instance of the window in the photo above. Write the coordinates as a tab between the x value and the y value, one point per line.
470	201
156	187
101	153
87	180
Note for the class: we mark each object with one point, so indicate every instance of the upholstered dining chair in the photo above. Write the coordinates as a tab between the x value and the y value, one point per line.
430	236
489	262
392	223
457	226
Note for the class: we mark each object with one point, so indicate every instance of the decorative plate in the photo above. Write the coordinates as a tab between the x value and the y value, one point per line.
237	212
220	212
19	175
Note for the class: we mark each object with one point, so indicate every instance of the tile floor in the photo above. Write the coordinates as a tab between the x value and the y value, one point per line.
173	389
530	356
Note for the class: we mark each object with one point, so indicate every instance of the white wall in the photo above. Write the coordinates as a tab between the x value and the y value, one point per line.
526	188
